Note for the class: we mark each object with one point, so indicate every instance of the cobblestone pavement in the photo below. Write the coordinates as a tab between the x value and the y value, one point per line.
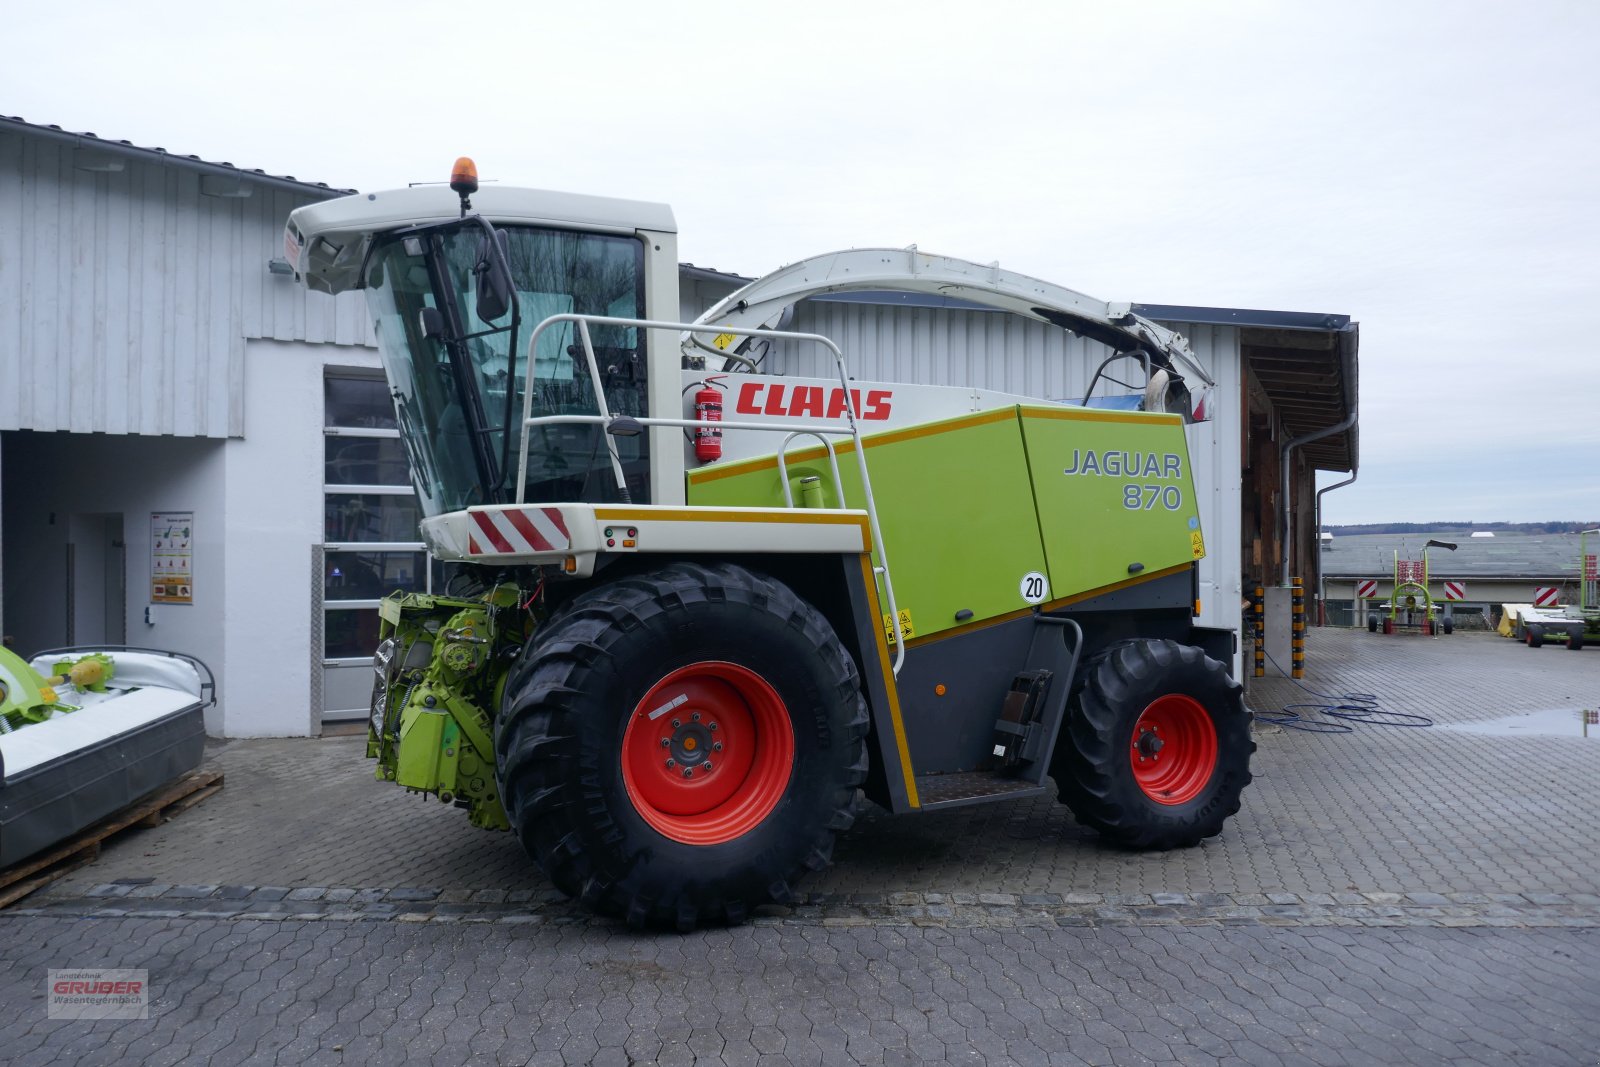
376	993
1382	809
1390	895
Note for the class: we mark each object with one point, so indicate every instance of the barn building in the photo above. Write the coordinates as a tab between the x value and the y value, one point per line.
197	453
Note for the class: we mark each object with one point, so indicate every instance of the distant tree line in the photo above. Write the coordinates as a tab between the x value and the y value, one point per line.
1462	527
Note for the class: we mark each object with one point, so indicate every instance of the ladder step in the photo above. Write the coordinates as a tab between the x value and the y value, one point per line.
972	787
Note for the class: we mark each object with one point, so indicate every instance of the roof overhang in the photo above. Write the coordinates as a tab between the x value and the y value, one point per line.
98	150
1305	362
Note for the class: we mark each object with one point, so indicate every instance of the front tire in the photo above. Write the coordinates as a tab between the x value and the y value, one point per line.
1157	747
680	747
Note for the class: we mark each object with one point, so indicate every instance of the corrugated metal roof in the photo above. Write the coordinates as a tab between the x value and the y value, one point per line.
86	139
1507	554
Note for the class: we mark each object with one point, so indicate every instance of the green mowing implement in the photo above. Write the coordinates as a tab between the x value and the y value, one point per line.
682	646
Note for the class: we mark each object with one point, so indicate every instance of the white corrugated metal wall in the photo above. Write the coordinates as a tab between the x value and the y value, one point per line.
130	292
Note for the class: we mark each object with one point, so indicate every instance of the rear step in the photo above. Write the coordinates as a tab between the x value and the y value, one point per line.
972	787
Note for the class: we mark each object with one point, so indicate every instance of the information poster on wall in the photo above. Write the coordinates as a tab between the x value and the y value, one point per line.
172	557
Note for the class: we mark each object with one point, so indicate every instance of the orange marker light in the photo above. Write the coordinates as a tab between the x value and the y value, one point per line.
464	176
939	689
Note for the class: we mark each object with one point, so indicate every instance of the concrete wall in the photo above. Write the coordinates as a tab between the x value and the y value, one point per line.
1484	595
274	502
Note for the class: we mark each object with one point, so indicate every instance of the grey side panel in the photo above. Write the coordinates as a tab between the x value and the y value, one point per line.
1172	591
1220	645
954	732
49	803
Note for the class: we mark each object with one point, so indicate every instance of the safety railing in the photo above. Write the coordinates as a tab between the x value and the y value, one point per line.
608	421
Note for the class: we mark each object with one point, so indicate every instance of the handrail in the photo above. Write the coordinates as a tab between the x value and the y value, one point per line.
783	466
605	418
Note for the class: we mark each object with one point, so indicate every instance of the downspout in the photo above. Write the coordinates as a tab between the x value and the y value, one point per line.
1283	461
1322	578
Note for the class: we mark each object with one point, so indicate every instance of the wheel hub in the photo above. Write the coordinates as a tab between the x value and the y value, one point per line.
690	747
707	753
1173	749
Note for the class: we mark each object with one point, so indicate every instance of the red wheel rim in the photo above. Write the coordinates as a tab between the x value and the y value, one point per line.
708	753
1173	749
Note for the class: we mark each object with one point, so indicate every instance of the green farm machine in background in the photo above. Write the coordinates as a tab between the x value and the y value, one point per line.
1574	625
672	660
1411	605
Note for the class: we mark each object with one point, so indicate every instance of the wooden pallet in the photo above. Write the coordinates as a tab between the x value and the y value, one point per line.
83	848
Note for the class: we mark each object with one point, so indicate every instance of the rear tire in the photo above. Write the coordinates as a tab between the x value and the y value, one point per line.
1184	715
1448	626
1535	635
1575	640
592	715
1372	624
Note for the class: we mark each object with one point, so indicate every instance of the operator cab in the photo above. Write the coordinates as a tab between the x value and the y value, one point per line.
454	300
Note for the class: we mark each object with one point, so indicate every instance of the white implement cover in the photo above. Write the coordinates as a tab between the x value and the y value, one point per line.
160	686
64	774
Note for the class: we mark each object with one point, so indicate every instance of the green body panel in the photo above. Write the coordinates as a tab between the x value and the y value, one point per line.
447	667
418	763
1115	495
954	500
970	507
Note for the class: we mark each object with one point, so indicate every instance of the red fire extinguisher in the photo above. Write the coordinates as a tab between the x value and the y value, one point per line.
708	409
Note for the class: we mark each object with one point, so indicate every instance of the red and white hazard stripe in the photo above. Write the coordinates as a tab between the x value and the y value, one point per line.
1455	591
1366	589
1545	596
517	531
1590	570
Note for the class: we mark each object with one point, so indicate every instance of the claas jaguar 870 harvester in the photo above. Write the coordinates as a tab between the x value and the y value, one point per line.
701	612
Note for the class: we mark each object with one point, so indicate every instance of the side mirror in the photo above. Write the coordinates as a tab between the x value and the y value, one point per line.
431	322
624	426
494	277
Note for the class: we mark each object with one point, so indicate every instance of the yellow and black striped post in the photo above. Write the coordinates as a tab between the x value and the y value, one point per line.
1258	607
1297	599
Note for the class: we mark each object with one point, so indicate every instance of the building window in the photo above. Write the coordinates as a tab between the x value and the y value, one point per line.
371	545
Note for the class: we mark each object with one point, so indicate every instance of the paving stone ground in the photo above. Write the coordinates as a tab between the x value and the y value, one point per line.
1382	809
1390	895
381	993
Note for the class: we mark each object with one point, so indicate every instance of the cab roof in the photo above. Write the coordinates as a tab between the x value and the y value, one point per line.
327	242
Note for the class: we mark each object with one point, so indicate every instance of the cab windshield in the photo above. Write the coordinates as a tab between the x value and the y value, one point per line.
458	381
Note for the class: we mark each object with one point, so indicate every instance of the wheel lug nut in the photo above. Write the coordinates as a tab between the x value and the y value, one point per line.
716	746
688	772
711	726
666	742
695	717
708	765
673	763
676	723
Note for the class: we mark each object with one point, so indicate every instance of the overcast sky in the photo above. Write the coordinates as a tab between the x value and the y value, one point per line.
1428	168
